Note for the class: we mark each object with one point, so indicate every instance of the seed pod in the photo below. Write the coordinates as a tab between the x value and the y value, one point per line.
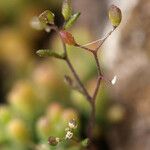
115	15
53	141
72	20
67	37
66	9
46	17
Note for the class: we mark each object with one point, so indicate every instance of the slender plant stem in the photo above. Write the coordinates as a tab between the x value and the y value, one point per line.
91	124
92	114
66	58
105	38
97	64
84	47
78	80
99	76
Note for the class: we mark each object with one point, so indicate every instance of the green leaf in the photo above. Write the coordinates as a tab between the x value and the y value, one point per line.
48	53
47	17
66	9
72	20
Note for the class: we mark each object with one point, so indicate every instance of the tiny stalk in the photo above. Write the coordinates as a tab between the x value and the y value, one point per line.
67	38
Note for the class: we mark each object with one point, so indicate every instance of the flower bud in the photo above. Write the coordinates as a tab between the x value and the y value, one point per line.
43	52
115	15
53	141
66	9
47	17
48	53
67	37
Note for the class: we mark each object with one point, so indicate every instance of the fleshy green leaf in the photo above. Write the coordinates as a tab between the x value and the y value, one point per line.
48	53
66	9
72	20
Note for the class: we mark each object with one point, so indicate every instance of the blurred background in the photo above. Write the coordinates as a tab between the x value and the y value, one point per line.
36	103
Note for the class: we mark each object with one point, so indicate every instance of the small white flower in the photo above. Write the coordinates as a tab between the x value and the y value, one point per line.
47	29
57	139
113	81
72	124
69	135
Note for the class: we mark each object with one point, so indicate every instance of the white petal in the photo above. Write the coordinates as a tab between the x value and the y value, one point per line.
113	81
35	23
47	29
69	135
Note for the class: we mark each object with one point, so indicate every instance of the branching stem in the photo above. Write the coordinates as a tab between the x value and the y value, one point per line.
105	38
66	58
90	99
99	76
